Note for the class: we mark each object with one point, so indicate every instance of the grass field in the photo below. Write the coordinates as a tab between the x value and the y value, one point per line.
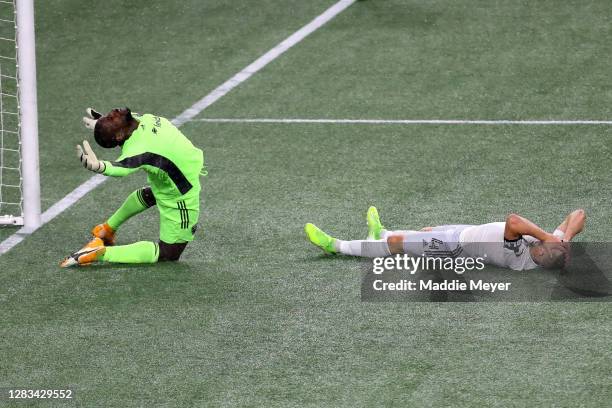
253	315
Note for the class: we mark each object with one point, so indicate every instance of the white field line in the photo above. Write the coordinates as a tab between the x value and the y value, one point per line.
188	114
53	211
407	121
262	61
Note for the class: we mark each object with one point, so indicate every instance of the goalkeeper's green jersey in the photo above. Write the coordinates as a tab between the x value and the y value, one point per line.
173	164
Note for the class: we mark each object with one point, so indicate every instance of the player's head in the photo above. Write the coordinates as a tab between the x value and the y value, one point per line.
114	128
549	255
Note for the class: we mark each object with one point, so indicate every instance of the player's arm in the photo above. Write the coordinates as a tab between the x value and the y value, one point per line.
573	224
517	226
89	160
113	170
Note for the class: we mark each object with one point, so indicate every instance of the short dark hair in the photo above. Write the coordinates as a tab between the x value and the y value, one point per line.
104	134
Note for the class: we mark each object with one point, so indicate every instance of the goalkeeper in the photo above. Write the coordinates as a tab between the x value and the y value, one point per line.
173	165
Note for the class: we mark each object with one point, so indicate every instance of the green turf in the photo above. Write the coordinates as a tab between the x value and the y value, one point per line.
439	60
254	315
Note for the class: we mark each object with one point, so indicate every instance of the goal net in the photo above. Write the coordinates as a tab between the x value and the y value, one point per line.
11	210
19	184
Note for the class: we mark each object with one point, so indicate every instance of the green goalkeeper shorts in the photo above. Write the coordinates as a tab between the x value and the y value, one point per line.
178	222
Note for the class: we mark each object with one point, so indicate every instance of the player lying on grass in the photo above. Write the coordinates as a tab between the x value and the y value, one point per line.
173	166
517	243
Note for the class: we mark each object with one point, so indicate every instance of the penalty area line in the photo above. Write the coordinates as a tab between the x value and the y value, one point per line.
186	116
407	121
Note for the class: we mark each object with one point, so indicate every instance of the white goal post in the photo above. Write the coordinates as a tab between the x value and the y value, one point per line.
21	198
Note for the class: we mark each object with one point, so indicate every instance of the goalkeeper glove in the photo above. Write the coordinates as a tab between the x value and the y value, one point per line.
91	118
88	158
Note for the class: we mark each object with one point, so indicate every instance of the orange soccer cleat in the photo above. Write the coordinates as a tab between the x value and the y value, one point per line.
86	255
105	233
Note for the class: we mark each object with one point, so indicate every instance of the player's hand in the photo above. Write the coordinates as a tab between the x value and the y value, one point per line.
88	158
91	118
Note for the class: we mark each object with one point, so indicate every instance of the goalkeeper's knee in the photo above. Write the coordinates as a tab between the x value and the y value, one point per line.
170	252
147	197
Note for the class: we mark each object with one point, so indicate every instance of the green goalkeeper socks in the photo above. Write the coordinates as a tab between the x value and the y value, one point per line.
132	205
138	252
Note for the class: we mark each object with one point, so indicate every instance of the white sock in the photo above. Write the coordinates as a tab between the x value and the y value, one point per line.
363	247
384	234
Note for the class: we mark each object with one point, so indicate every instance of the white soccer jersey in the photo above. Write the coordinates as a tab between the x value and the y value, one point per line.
487	241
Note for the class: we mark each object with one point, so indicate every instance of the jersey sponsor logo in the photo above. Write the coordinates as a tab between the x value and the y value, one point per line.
436	243
438	248
444	253
152	159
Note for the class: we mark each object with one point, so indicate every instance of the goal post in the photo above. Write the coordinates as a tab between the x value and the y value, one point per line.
28	113
21	199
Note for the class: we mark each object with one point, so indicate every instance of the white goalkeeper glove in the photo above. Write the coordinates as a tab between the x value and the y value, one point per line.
88	158
91	118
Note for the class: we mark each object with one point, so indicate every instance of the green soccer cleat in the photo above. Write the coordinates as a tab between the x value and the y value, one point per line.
320	238
375	228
